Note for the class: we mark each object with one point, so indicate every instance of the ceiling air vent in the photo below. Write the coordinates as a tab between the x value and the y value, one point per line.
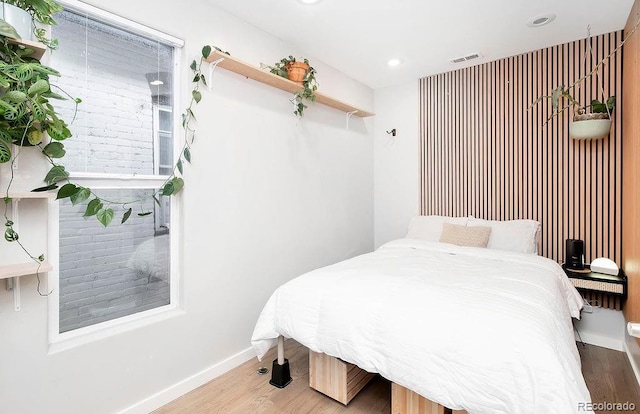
465	58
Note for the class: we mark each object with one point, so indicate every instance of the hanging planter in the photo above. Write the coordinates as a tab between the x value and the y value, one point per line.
589	128
594	125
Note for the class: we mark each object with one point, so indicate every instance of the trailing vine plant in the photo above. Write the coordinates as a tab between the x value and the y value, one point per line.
41	11
309	82
27	116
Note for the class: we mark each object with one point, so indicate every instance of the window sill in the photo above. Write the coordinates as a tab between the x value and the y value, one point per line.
78	337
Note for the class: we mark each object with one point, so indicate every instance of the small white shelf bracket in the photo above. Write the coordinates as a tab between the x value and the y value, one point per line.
212	67
17	303
349	115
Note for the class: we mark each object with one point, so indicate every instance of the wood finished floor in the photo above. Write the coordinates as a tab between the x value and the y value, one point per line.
241	391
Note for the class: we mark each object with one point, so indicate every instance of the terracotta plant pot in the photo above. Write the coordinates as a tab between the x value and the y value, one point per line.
297	71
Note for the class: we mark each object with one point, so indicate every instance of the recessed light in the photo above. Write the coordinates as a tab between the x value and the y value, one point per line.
156	82
309	2
541	20
394	62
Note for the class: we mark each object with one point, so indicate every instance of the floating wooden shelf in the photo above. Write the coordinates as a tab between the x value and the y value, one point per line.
38	48
235	65
23	269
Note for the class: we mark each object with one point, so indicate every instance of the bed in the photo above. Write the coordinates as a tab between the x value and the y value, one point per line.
483	330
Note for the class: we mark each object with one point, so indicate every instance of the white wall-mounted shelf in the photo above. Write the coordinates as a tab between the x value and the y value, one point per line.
235	65
32	195
12	272
37	47
24	269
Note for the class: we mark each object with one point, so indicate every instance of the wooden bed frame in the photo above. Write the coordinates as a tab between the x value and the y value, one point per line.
342	381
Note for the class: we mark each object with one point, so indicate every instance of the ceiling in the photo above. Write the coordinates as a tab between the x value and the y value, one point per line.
358	37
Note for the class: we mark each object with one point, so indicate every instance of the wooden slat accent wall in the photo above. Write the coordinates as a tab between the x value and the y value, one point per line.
631	170
485	153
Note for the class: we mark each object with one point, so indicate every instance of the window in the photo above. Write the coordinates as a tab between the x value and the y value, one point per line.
122	148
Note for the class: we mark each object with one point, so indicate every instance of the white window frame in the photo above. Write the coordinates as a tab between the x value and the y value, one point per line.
156	135
61	341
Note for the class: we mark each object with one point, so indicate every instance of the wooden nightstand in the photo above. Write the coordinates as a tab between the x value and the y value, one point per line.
608	290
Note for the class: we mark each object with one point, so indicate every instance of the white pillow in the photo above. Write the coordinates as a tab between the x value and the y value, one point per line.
429	228
512	235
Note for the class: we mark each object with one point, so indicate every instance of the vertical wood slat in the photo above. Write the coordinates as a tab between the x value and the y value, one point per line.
487	153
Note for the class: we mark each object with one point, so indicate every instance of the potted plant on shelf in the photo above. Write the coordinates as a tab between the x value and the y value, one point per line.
300	72
28	118
41	11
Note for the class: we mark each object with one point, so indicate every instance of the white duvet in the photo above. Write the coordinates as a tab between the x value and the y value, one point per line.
483	330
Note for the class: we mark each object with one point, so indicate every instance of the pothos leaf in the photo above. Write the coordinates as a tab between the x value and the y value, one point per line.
105	216
67	190
82	194
46	188
206	51
187	155
146	213
126	216
55	174
179	165
197	96
193	65
167	190
178	184
93	207
10	235
54	150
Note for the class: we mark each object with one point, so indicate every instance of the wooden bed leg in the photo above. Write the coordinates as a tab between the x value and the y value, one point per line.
336	378
405	401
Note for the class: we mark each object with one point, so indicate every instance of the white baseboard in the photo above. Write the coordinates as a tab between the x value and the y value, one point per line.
188	384
633	353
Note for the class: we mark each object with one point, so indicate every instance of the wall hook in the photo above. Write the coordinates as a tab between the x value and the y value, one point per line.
392	132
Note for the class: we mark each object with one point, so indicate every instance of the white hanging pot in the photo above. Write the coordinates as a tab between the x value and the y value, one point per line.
590	126
18	18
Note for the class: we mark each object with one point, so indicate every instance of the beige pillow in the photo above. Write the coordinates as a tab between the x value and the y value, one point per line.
465	236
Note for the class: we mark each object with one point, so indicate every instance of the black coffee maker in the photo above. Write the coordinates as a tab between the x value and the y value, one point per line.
574	254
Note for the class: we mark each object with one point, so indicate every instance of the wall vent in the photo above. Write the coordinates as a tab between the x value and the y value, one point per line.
465	58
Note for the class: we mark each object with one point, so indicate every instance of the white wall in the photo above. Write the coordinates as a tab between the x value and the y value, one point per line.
266	198
397	162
